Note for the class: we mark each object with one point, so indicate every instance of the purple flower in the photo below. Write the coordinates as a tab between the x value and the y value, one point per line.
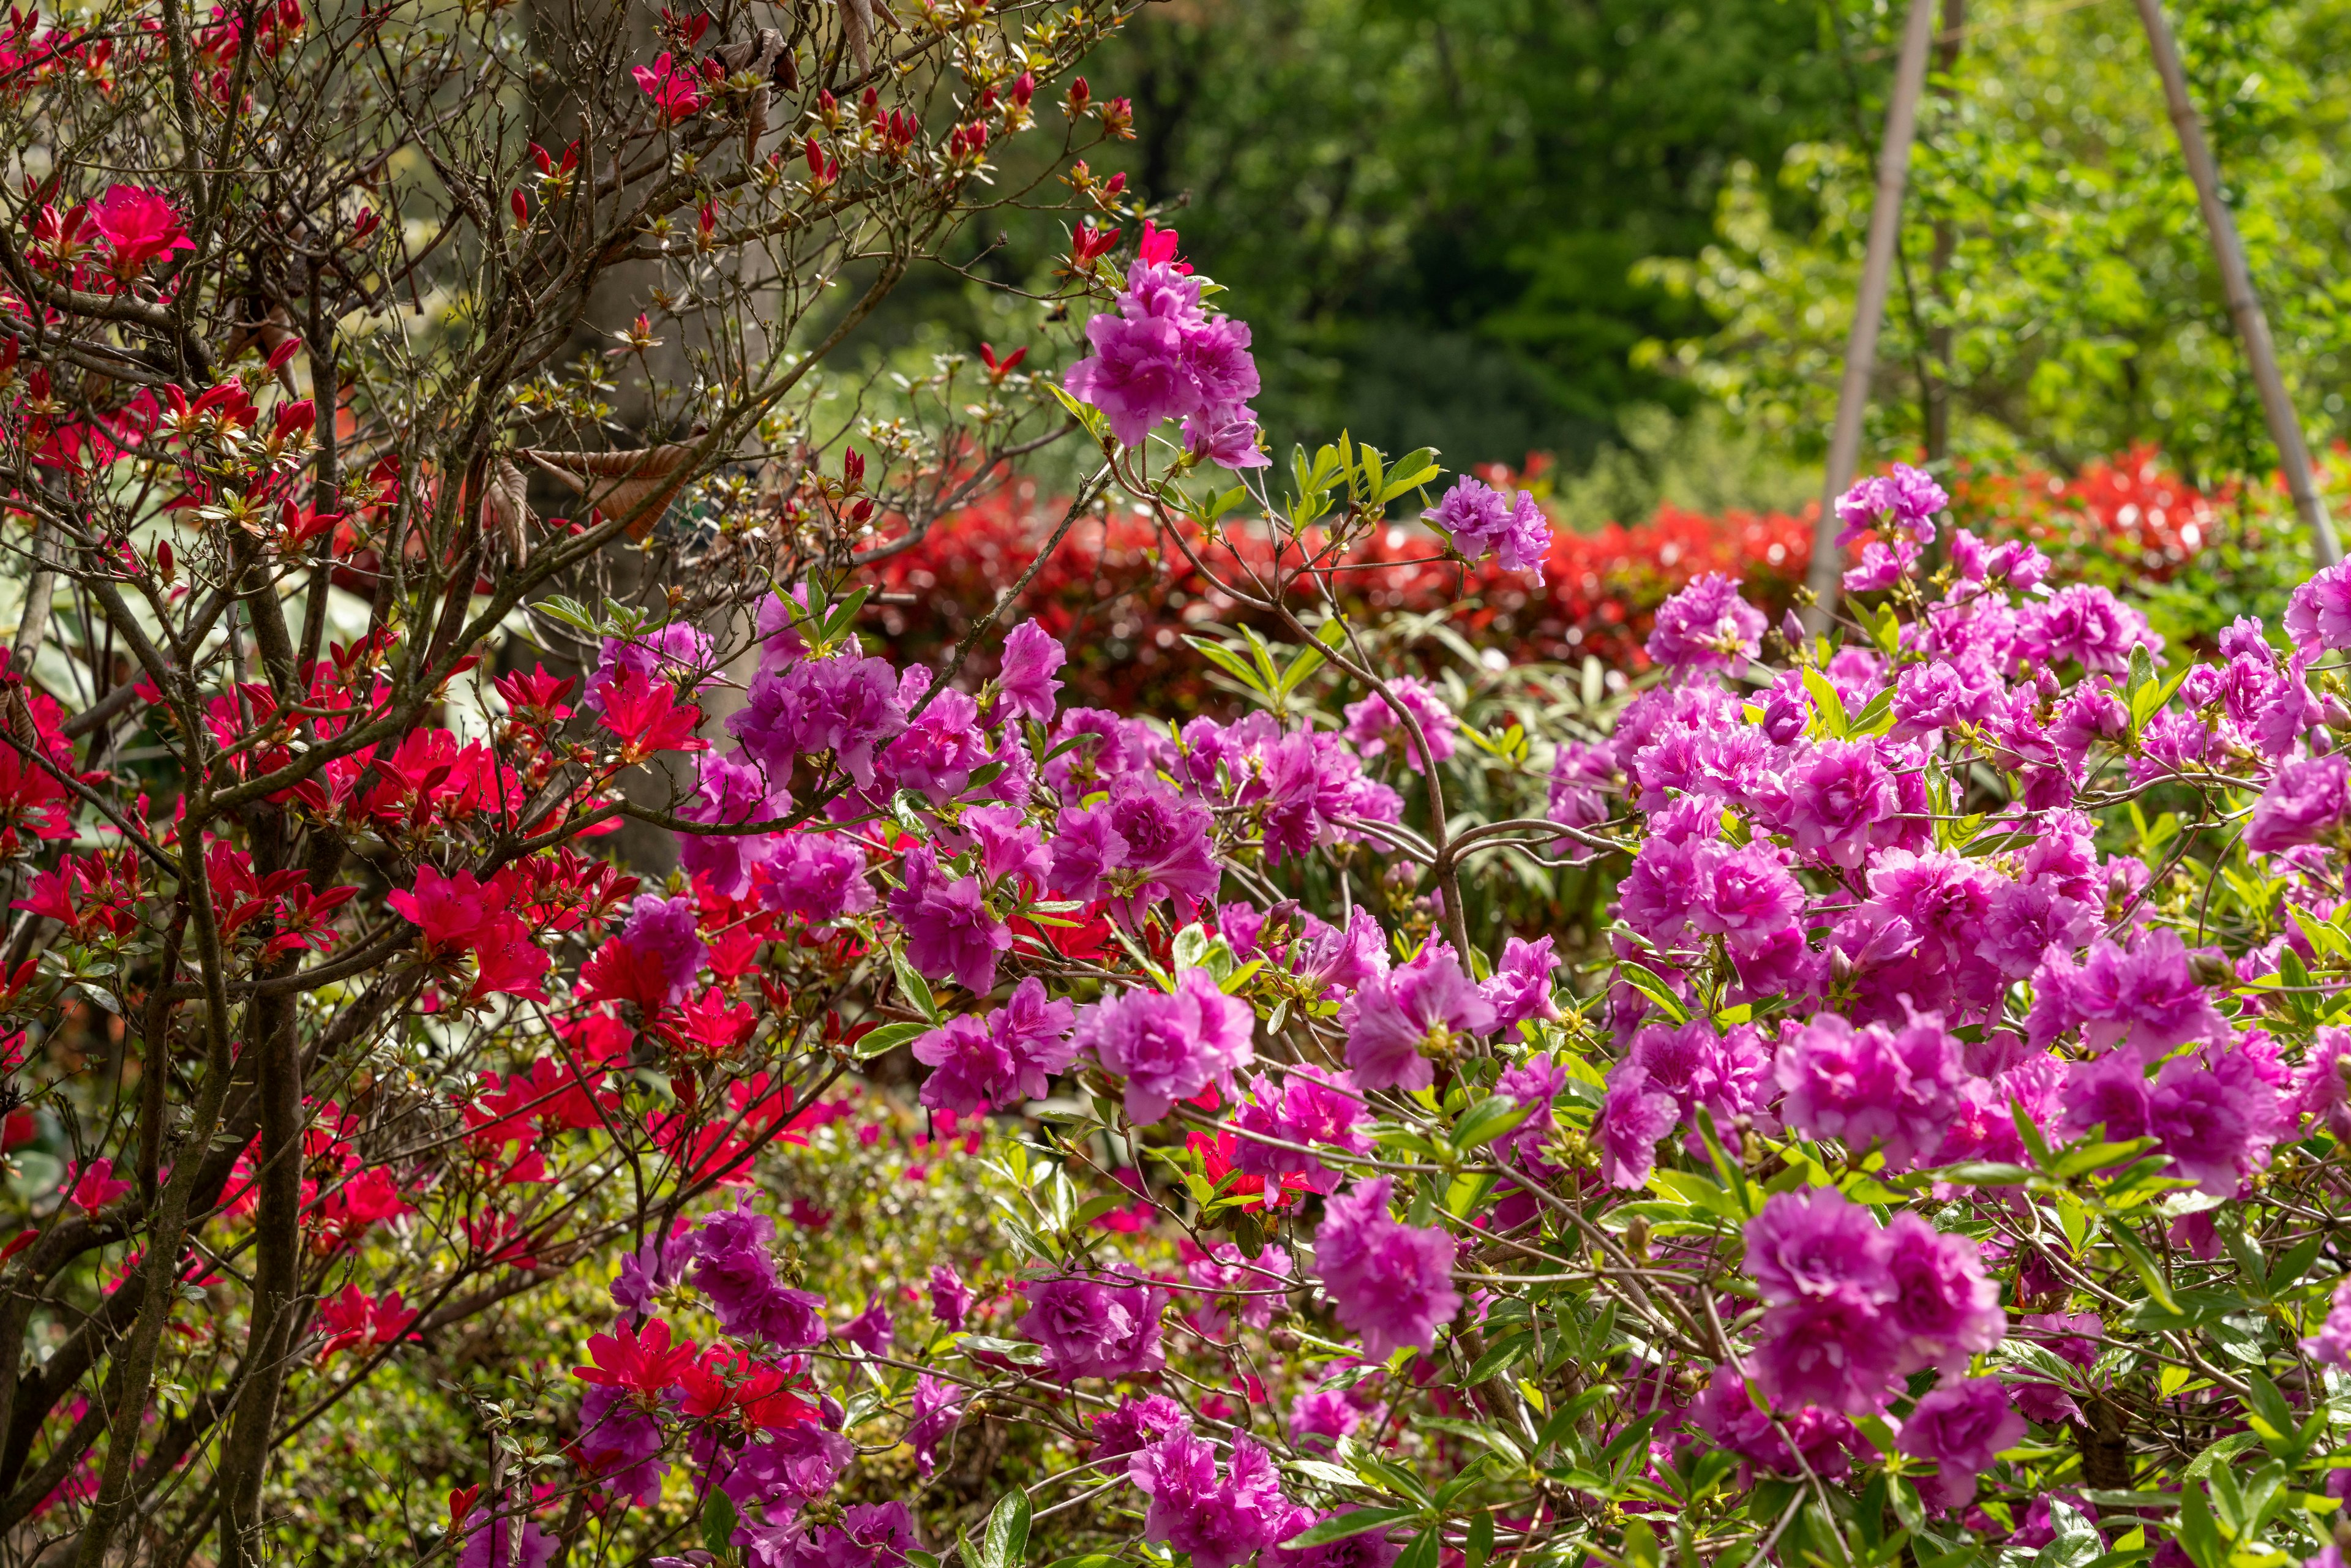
950	931
650	1269
1520	988
1220	1522
819	877
1014	1054
1391	1283
620	1445
936	753
2331	1345
727	794
659	933
2304	802
2109	1092
1944	1308
870	1330
2147	998
1634	1118
2215	1123
1364	1549
734	1269
1397	1020
793	1467
1135	1423
1092	1329
847	706
1169	1046
950	1297
2024	920
1896	1090
1370	721
1905	498
1726	1412
2088	625
487	1540
1311	1106
1707	626
1813	1245
1742	892
1163	357
1321	1413
1842	803
2318	617
1481	520
1141	845
1227	443
1026	682
1257	1284
937	1411
1835	1352
1961	1426
870	1535
1009	845
972	1067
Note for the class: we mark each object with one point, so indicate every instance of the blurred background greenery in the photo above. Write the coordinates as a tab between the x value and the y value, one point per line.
1626	232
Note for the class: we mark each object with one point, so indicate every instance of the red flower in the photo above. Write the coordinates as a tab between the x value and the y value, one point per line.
98	1186
640	1361
674	92
139	226
645	714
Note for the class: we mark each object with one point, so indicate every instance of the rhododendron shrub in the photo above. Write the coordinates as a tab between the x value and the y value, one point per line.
1017	1128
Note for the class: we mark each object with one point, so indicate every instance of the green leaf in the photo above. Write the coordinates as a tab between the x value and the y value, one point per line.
1086	415
1652	984
1488	1120
1005	1542
718	1522
1828	708
1480	1544
1422	1552
1354	1521
888	1038
917	989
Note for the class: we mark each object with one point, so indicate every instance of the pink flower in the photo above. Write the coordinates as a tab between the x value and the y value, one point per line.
951	934
1871	1087
97	1185
1707	626
2318	617
1169	1046
1396	1019
1392	1283
1961	1426
1094	1328
140	226
675	90
1026	680
1633	1117
1220	1522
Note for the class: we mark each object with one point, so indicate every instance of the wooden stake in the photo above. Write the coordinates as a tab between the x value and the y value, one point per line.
1869	308
2237	287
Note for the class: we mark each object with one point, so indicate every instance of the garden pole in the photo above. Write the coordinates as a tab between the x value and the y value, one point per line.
1869	308
2237	287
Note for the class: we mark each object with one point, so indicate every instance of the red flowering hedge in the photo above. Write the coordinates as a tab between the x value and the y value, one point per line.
1122	606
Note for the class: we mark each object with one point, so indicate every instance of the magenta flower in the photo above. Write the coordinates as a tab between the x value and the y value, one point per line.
660	934
2145	997
1137	1423
1169	1046
728	794
488	1544
2215	1123
620	1446
1372	721
1705	626
1634	1119
1090	1328
2331	1345
1520	988
1144	844
950	931
1221	1522
818	877
1396	1022
2318	617
1895	1089
870	1330
937	752
1256	1283
139	226
1323	1413
2303	803
1163	357
734	1269
935	1412
1961	1426
1842	803
1311	1106
1481	520
950	1297
1391	1283
1026	680
1816	1244
1944	1308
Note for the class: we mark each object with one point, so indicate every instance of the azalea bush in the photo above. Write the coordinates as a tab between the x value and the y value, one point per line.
1907	1126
